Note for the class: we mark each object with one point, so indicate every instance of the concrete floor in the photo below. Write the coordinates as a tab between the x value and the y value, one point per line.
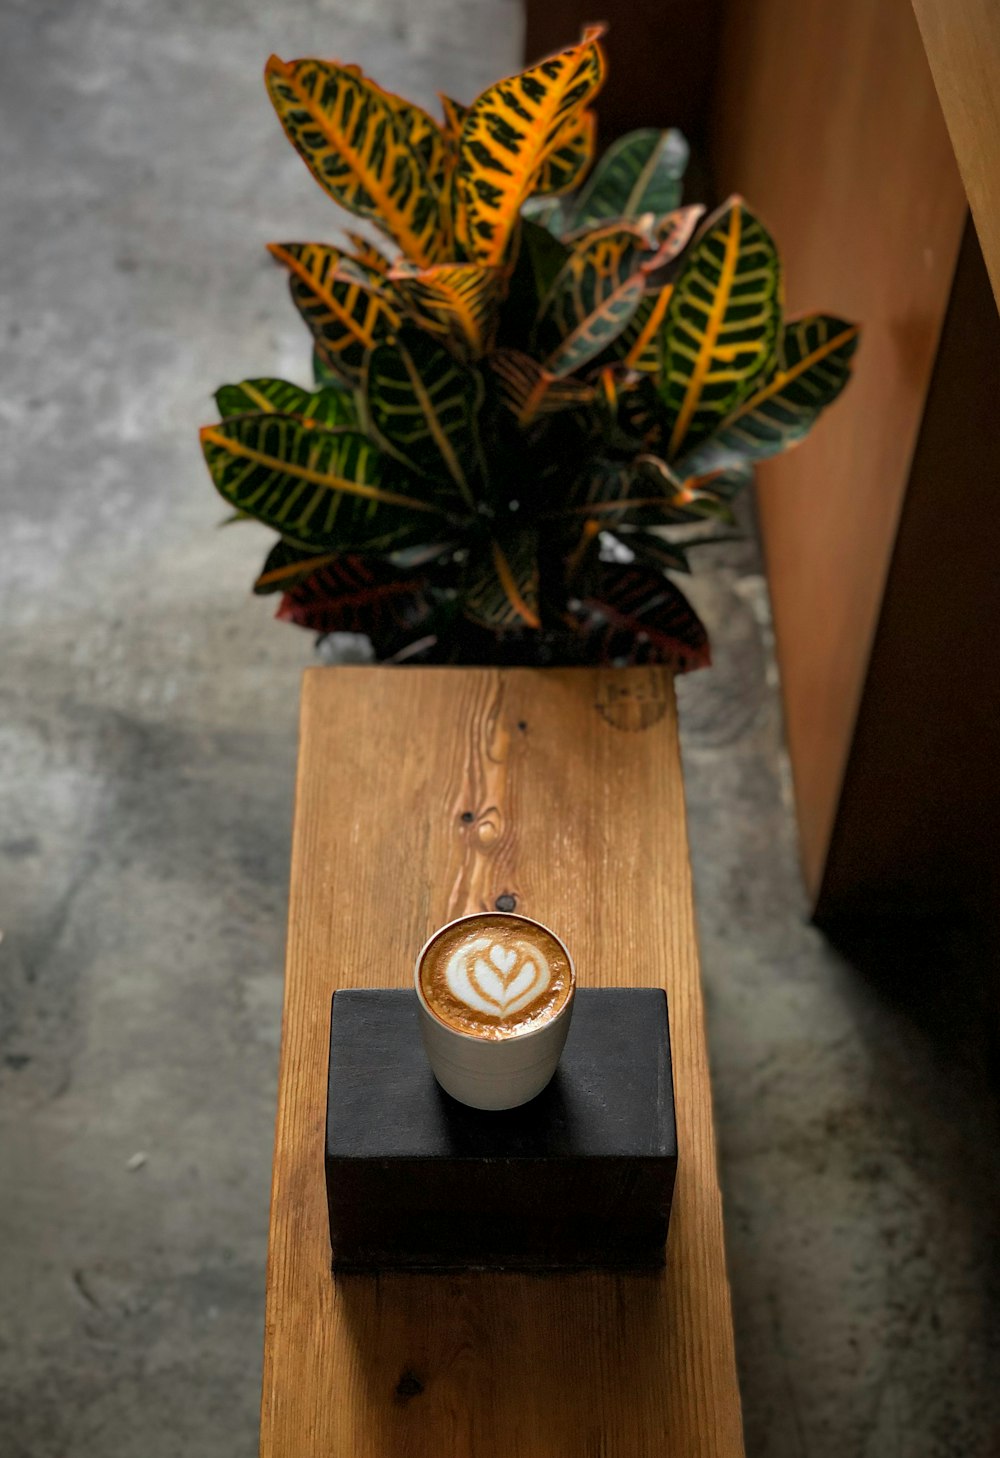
147	743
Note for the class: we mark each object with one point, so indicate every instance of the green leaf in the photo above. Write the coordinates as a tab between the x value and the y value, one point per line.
542	256
422	406
547	211
538	258
501	587
812	366
326	406
324	375
721	325
348	308
591	299
320	487
633	614
354	594
639	173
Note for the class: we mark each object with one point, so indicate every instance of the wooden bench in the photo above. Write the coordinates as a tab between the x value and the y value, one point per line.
423	794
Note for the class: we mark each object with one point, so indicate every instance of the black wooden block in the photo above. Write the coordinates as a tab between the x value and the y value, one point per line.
580	1177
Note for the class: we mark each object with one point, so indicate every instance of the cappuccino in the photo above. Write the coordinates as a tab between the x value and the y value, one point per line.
495	976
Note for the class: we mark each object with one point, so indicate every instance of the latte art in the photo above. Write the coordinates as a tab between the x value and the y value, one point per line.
495	975
492	978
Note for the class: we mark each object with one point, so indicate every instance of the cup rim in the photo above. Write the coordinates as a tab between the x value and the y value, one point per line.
514	1037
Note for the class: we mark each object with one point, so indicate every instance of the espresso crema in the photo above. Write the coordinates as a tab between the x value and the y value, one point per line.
495	976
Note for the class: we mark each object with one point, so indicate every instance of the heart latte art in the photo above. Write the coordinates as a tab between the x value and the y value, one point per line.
492	978
495	975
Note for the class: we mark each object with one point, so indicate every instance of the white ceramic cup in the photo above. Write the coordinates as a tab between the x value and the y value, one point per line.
493	1073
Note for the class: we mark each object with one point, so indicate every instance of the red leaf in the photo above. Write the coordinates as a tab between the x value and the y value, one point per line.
358	595
634	614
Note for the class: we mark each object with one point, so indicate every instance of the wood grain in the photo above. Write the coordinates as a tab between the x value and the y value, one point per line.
962	41
572	780
829	123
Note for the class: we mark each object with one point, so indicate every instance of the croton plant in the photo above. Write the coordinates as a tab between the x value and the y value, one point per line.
533	396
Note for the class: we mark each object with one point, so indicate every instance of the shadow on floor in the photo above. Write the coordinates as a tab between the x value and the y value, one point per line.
941	974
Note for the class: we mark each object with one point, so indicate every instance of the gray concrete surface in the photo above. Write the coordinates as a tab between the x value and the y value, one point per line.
147	742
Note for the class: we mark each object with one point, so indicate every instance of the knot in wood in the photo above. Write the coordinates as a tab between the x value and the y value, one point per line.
489	827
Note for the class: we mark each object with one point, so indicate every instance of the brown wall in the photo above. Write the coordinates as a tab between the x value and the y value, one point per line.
827	120
962	41
918	822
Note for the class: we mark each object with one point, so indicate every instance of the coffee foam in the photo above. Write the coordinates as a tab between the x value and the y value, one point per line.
495	976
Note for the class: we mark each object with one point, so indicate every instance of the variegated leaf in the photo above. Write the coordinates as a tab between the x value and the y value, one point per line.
418	127
639	173
323	374
508	136
352	594
812	366
634	614
373	153
366	253
705	495
454	118
459	303
591	299
611	492
640	344
528	390
329	406
721	326
422	406
501	589
639	412
421	130
347	307
453	218
671	236
569	156
286	564
320	487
